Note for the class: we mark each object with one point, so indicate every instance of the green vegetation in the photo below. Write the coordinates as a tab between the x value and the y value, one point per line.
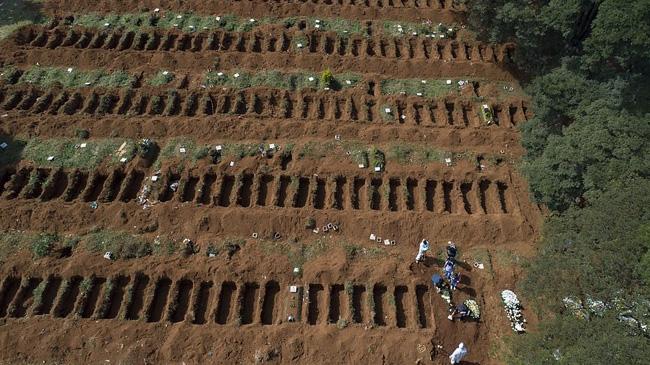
587	147
180	149
300	42
39	244
426	29
351	251
121	244
164	246
326	78
86	154
68	153
13	241
161	78
43	245
38	294
410	153
342	27
17	13
279	80
314	150
70	77
310	223
109	288
377	158
387	113
188	22
419	87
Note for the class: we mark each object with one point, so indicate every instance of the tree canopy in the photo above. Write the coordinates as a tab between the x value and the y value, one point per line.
587	159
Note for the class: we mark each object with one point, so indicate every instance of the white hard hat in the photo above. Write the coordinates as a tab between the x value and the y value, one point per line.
461	345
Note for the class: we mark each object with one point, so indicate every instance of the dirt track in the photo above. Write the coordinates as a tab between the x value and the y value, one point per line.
374	305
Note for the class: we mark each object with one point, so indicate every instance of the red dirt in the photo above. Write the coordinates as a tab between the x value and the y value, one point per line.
235	309
409	57
411	10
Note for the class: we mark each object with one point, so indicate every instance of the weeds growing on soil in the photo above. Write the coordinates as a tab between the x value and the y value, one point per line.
44	244
418	87
427	29
121	244
68	153
406	153
71	78
162	78
351	251
387	113
377	158
15	14
188	22
11	242
164	246
38	294
280	80
106	298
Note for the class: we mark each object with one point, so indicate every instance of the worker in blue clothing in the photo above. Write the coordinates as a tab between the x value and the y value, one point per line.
438	282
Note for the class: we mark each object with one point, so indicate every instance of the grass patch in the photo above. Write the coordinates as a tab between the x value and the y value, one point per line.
194	152
375	252
377	158
186	22
342	27
68	153
360	157
300	42
279	80
162	78
121	244
407	153
351	251
315	150
387	113
189	22
239	150
164	246
425	29
50	76
174	150
418	87
17	13
6	30
13	241
44	244
38	294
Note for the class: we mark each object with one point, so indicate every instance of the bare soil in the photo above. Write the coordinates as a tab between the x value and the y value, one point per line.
367	305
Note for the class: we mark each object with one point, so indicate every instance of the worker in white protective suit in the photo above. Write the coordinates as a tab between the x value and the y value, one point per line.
424	247
458	354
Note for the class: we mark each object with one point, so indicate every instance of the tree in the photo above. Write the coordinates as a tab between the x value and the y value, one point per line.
544	31
567	340
620	38
600	145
